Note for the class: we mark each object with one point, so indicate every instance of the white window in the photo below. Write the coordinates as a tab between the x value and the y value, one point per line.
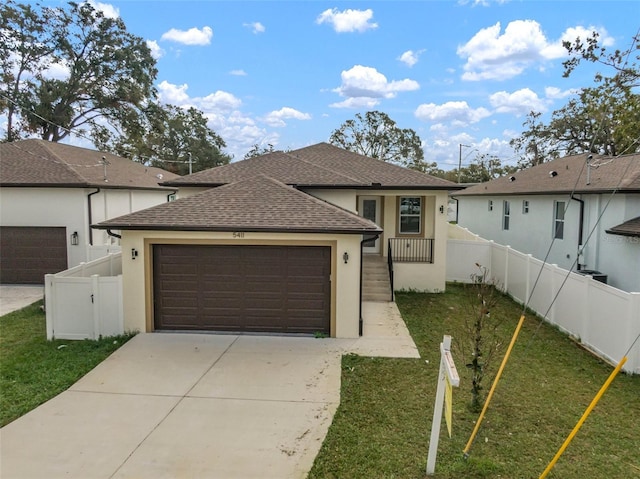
490	205
558	219
506	212
410	215
525	207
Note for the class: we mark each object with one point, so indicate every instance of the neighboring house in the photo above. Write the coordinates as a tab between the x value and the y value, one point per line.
50	194
580	212
274	243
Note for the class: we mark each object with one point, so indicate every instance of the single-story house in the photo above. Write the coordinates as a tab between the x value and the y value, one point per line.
279	243
50	194
580	212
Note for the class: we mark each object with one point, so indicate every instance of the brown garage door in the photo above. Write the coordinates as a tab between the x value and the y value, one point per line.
283	289
28	253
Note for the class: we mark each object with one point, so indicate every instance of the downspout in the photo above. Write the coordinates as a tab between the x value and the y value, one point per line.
170	195
580	228
115	235
91	215
361	323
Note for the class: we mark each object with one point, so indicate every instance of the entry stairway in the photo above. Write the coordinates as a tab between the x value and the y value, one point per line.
375	279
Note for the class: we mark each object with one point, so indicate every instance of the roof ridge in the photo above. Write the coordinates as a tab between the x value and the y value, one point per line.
325	168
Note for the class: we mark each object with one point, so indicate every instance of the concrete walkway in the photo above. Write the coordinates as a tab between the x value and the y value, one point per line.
197	406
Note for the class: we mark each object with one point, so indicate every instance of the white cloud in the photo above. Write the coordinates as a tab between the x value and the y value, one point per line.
193	36
496	56
348	20
555	93
218	101
156	51
359	103
108	10
238	73
520	102
276	118
410	57
458	112
492	55
173	94
256	27
367	82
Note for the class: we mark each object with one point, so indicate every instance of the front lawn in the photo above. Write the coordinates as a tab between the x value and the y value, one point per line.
33	370
382	426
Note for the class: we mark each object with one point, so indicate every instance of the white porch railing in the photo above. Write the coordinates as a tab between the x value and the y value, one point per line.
604	319
85	302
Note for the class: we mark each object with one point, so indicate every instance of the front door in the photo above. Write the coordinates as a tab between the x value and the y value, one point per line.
369	208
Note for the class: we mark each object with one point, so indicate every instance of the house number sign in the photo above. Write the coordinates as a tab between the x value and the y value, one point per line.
238	234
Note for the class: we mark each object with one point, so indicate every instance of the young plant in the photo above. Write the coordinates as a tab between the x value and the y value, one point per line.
480	341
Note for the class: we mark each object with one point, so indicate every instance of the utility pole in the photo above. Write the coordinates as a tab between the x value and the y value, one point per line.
460	160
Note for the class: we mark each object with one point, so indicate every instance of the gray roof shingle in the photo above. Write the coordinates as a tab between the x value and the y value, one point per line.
567	175
43	163
322	165
254	204
628	228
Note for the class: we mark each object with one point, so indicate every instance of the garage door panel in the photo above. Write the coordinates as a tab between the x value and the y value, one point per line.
28	253
244	288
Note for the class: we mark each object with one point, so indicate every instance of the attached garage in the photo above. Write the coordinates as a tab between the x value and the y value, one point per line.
28	253
248	288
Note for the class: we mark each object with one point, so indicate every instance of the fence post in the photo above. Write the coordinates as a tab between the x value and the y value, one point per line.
49	304
586	311
554	287
95	300
506	267
634	331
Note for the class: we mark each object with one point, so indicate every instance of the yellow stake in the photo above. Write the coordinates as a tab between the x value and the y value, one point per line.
583	418
493	387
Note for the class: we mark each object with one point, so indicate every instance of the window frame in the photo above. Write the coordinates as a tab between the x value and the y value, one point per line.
506	214
558	206
525	207
418	215
490	205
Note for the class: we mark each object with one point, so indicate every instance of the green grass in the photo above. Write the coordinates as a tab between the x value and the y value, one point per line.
33	370
382	426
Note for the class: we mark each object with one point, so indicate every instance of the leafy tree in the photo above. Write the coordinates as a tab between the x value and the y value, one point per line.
257	150
603	119
109	72
26	51
171	138
377	136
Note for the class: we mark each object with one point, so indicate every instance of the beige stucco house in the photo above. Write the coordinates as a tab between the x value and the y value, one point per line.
50	194
279	243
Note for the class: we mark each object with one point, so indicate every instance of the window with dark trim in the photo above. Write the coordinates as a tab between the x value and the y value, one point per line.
410	215
506	213
558	219
490	205
525	207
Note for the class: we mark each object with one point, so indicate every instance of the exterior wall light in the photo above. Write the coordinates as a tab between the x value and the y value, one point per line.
74	238
441	209
345	257
134	253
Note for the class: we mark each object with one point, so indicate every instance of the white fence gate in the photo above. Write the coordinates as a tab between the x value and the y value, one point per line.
604	319
85	302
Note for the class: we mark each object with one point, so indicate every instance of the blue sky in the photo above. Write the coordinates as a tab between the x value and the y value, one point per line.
290	72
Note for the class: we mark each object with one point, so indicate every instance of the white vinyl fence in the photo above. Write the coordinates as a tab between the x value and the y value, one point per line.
85	302
604	319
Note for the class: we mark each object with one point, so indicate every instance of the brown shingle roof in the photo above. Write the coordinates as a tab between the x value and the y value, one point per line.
628	228
254	204
321	165
567	175
44	163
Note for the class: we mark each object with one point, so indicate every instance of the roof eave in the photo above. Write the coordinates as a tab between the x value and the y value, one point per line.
229	229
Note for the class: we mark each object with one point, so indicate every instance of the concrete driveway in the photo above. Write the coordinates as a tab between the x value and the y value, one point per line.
18	296
197	406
